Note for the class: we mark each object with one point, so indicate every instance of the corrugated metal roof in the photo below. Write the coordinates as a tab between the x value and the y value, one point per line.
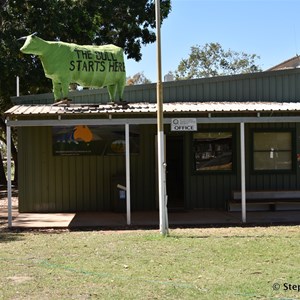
146	108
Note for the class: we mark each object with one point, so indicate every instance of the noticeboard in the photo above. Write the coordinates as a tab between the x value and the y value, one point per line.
94	140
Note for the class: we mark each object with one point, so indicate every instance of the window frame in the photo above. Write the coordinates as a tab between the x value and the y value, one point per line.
293	151
233	151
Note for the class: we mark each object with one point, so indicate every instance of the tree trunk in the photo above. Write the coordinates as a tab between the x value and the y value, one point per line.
14	152
3	180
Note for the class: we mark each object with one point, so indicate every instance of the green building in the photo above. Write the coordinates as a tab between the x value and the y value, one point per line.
223	134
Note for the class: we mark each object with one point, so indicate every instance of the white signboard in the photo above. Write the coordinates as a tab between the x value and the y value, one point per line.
184	124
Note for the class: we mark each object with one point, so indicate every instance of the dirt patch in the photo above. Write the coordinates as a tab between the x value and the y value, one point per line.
19	279
4	205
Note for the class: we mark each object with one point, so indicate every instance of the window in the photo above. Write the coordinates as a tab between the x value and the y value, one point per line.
272	150
212	151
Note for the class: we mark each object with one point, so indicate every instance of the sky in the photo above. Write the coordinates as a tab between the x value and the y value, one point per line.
268	28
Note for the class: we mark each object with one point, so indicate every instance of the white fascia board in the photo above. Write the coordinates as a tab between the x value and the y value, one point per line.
146	121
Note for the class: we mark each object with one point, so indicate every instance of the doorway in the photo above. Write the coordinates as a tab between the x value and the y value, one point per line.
174	175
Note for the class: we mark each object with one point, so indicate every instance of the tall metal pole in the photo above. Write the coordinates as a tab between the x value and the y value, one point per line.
128	200
163	226
8	157
243	172
18	86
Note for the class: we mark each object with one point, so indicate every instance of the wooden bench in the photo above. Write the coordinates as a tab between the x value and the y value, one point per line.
270	198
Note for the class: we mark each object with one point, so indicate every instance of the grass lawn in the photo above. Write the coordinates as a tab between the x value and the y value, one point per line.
212	263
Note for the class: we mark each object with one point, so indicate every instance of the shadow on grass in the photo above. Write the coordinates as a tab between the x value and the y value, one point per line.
7	236
243	235
235	236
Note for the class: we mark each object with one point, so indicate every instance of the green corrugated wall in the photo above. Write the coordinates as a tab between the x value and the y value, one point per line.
213	191
279	86
83	183
50	183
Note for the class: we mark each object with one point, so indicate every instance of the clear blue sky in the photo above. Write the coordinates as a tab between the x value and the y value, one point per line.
268	28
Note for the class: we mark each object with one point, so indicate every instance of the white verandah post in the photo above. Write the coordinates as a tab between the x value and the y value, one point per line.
243	172
163	220
8	156
128	200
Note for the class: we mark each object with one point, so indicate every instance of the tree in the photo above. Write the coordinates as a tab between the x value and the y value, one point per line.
138	78
212	60
3	180
127	23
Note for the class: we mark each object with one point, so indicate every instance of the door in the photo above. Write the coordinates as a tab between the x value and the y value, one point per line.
175	180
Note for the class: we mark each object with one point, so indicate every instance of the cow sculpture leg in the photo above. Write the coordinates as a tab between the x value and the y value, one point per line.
60	91
112	90
65	90
57	91
120	88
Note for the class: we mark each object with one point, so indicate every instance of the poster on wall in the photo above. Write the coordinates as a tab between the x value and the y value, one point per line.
93	140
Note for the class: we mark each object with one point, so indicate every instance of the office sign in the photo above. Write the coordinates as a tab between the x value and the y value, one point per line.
184	124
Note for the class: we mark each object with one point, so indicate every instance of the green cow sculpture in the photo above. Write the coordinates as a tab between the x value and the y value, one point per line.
88	66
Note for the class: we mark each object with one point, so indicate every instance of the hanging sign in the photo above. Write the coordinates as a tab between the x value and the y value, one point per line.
184	124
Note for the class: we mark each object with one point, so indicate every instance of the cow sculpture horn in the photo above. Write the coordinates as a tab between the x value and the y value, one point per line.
25	37
22	38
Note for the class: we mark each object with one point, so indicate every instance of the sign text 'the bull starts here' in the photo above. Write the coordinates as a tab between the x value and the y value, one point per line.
95	62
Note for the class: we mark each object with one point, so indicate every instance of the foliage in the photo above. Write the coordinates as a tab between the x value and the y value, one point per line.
206	263
127	24
138	78
212	60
